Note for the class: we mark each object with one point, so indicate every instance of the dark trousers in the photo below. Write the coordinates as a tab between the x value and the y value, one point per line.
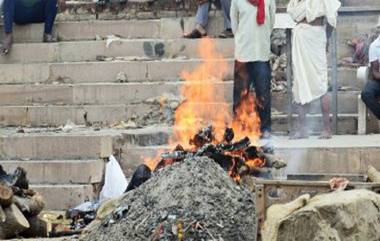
257	75
43	12
371	97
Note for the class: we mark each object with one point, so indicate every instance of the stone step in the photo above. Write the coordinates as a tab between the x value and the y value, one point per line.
118	49
63	197
120	71
50	144
161	135
165	28
129	94
59	171
303	156
130	49
107	115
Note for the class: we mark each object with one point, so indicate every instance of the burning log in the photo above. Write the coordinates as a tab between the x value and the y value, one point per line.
237	158
204	136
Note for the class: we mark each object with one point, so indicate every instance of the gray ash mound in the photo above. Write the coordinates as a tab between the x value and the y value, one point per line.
191	200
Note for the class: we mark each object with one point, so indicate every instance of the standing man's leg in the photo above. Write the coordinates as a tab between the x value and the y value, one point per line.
226	7
325	105
50	14
9	13
370	97
241	84
201	19
262	82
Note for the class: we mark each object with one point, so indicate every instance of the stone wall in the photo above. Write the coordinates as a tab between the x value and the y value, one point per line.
133	9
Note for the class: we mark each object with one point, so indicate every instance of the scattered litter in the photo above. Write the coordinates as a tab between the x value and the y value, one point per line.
110	39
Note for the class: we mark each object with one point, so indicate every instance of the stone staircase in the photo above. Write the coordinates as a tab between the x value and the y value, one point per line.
45	85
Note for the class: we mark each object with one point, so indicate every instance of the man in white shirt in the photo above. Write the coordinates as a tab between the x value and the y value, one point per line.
252	23
371	92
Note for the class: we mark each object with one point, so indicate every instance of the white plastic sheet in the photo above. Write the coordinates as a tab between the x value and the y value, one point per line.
115	182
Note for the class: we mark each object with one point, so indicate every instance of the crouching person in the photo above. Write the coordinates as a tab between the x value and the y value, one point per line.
24	12
371	92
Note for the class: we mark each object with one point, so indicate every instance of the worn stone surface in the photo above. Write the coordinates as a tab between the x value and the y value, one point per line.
191	193
341	216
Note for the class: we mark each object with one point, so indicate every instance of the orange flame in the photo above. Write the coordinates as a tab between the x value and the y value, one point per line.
255	163
247	121
205	103
201	93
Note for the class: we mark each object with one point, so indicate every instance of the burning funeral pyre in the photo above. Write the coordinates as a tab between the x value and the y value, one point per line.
19	206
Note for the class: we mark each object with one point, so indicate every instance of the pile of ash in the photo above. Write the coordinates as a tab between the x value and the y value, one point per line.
191	200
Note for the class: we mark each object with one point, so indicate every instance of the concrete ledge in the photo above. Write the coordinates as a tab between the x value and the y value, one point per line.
337	155
63	197
55	146
59	172
134	71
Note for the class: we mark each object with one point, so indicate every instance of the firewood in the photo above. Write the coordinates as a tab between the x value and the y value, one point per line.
6	195
30	206
38	228
3	217
373	174
14	224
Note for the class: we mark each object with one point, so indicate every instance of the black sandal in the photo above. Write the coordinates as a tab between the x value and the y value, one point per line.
195	34
4	51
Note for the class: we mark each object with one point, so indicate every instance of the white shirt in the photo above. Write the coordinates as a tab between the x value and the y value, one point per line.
374	51
252	41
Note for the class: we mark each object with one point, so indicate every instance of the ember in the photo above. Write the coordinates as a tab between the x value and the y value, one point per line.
237	158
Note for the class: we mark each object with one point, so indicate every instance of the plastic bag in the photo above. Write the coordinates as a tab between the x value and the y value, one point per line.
115	182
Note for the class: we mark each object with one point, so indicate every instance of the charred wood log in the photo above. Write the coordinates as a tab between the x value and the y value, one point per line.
237	146
250	153
229	135
14	224
204	136
6	194
141	175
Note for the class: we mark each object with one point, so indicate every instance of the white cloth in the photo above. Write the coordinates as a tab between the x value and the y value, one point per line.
374	51
252	41
309	56
313	9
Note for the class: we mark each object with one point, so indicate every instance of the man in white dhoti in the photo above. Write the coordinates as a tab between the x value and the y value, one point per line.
315	18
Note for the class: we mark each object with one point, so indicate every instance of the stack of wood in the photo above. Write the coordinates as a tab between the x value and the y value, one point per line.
19	206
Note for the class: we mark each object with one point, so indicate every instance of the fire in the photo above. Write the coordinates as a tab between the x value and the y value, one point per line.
247	120
255	163
200	92
205	103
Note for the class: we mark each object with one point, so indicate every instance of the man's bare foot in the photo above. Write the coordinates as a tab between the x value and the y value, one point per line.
299	135
7	44
326	134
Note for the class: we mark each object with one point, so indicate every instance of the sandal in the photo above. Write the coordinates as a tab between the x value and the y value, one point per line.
7	44
195	34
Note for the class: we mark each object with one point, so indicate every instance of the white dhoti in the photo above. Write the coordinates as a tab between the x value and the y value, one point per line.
309	63
309	47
